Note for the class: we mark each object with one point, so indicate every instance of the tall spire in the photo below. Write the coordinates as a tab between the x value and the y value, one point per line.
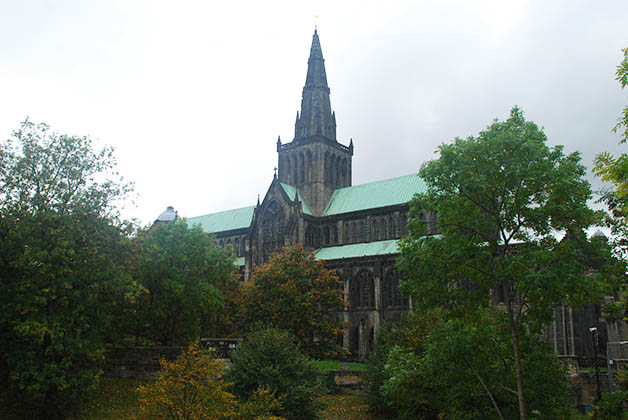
316	115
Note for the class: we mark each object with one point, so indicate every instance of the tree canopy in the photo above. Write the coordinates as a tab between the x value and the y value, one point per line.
295	292
63	260
615	170
502	200
181	268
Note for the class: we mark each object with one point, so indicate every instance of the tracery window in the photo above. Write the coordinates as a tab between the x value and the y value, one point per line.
273	229
364	290
391	293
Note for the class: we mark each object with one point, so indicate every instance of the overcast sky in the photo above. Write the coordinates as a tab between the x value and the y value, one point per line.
193	94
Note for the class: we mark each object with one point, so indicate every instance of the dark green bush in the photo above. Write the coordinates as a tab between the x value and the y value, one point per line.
270	358
612	406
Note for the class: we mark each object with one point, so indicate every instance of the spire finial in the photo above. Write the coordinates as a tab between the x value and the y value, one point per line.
315	23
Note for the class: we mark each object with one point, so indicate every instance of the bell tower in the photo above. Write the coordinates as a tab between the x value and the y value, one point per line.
314	161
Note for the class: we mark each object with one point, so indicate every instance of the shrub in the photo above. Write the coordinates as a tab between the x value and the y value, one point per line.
190	388
612	406
270	359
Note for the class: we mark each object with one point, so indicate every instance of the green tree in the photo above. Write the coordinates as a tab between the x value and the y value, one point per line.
501	200
63	255
181	269
414	398
615	170
271	359
295	292
464	370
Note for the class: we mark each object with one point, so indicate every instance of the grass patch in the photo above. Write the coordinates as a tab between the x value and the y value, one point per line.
113	399
345	407
327	365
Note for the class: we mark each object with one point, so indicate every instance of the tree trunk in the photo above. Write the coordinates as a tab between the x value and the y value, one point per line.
523	414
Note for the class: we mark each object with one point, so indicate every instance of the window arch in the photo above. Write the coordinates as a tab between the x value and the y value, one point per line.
295	170
301	169
374	233
273	229
391	293
392	228
383	229
347	238
326	167
364	290
309	170
335	233
354	227
362	231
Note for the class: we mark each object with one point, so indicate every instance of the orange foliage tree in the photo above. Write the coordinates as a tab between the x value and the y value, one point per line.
295	292
190	388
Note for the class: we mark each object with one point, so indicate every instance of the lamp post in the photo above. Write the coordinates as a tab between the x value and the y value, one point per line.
609	363
594	337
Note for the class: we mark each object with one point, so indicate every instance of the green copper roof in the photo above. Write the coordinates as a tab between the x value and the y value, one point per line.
239	262
357	250
224	220
376	194
292	192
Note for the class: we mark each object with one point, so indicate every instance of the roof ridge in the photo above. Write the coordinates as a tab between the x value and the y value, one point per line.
222	211
380	181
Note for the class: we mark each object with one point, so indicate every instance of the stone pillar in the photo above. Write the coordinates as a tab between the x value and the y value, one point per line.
377	279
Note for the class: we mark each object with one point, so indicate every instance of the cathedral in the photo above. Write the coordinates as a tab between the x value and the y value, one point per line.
355	229
312	202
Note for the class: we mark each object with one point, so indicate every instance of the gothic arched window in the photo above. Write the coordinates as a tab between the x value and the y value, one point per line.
404	225
374	233
301	169
236	247
273	229
295	171
326	167
383	229
355	231
362	231
335	231
392	228
364	293
309	171
391	293
347	238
